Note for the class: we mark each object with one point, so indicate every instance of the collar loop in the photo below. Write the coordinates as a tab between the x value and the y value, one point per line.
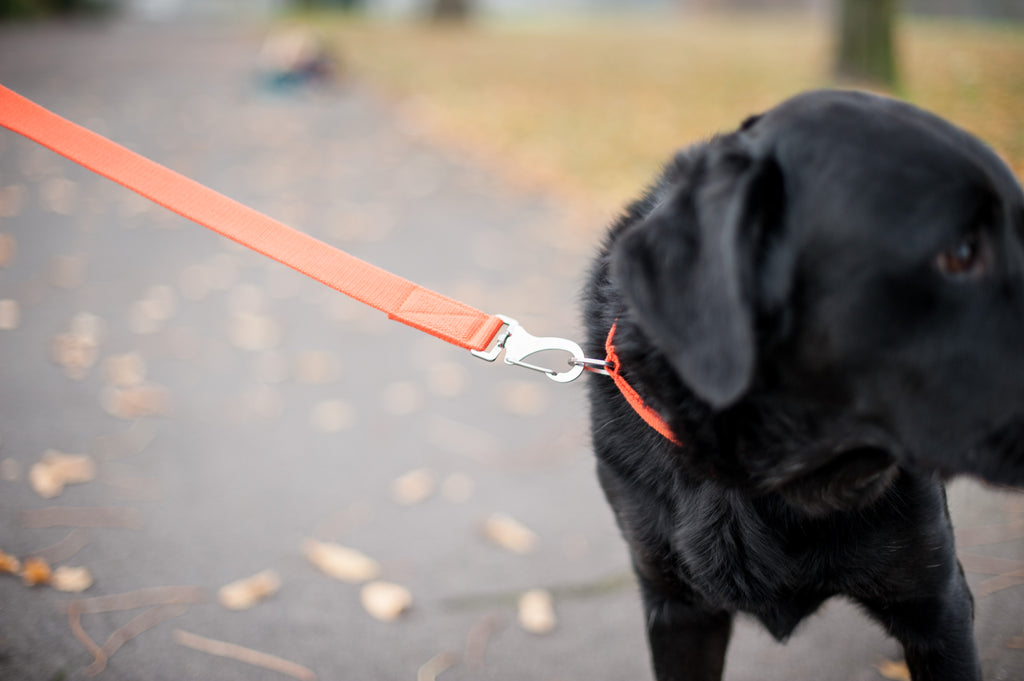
643	410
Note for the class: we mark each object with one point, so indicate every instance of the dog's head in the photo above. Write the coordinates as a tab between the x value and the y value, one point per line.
846	270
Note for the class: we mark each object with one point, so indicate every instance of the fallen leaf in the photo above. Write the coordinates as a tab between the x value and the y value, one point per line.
74	353
9	564
44	481
244	593
341	562
413	487
895	671
510	534
77	349
71	579
36	571
537	612
56	469
10	314
385	601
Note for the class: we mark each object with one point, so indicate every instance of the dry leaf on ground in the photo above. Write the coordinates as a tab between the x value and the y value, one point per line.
510	534
76	350
71	579
56	469
537	612
413	487
894	671
385	601
245	593
341	562
9	564
36	571
10	314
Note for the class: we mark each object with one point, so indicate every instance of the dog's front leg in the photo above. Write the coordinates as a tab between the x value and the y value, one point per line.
937	632
687	641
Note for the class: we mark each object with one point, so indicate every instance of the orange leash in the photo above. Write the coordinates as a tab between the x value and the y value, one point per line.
401	299
485	335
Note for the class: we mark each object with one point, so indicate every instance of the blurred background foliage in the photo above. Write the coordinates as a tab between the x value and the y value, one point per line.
593	104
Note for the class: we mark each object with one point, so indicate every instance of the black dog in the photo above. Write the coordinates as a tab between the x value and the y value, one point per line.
826	307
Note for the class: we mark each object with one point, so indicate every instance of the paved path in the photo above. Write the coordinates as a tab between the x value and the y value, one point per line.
236	410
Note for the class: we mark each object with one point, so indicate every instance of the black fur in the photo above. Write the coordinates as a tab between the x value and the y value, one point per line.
827	306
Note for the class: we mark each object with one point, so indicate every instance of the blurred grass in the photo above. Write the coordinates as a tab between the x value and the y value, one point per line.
593	108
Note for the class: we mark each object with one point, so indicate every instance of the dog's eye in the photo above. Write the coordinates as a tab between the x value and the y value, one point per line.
964	259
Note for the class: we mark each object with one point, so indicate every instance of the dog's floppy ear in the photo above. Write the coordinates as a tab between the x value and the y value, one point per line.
687	269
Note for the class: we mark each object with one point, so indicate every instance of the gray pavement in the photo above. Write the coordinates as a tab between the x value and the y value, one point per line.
235	410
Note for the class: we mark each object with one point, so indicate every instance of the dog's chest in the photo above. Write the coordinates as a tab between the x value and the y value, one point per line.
740	561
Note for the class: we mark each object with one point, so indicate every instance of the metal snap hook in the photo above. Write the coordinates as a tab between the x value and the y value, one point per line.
518	345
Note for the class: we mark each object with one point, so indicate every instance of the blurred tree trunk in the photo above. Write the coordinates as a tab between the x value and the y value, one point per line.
450	10
866	41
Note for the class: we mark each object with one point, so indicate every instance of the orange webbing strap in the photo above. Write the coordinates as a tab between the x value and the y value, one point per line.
402	300
643	410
